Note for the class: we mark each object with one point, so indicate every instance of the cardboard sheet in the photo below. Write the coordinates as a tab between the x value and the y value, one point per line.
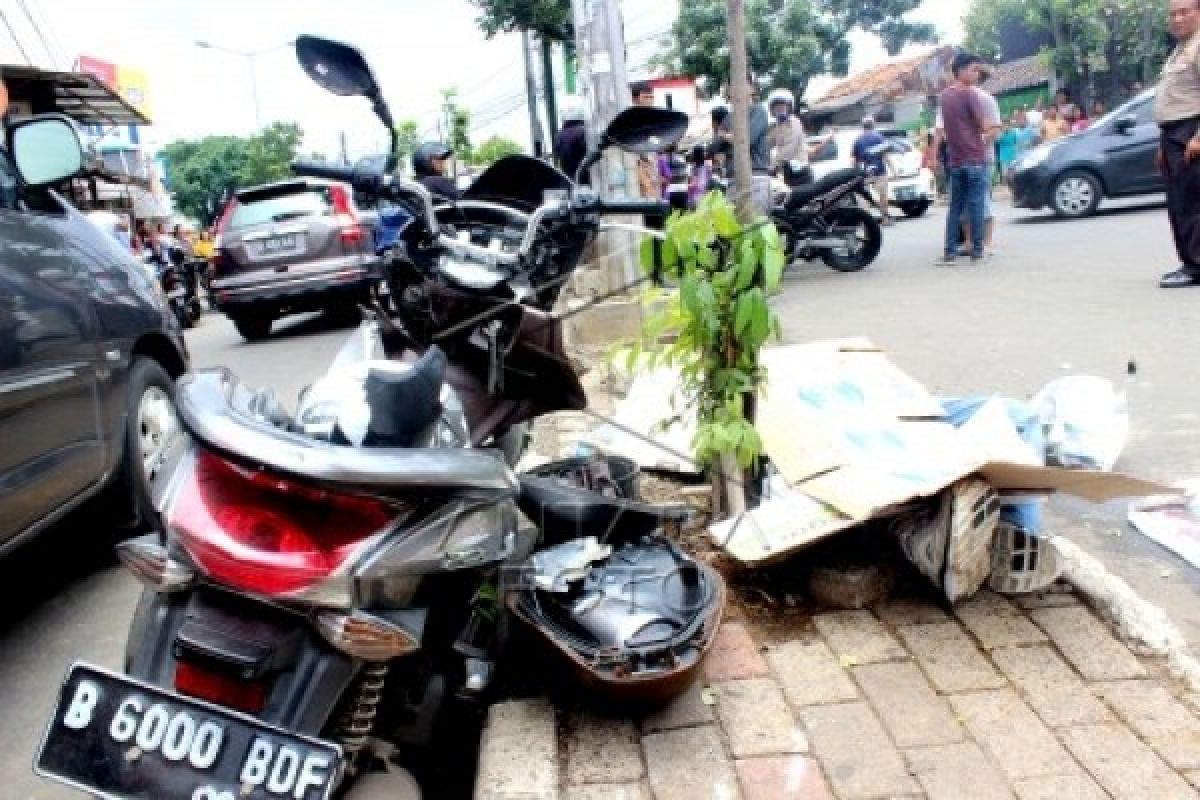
856	438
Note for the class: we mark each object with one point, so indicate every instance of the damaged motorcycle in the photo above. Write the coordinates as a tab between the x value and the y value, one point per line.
330	583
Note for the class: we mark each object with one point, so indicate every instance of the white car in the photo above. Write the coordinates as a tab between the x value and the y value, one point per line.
910	186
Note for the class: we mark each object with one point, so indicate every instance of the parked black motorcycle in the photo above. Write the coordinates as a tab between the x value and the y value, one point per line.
820	219
330	581
178	285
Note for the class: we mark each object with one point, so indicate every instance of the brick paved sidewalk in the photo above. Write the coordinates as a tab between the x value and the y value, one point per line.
1033	700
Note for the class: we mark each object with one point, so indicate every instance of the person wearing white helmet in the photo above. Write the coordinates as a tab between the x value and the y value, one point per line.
570	145
787	138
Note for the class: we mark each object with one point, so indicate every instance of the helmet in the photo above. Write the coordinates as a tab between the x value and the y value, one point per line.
423	158
781	96
573	112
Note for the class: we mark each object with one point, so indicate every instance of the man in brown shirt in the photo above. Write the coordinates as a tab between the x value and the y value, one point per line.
1177	112
965	128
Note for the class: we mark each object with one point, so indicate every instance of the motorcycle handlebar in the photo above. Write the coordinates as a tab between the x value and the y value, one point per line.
649	208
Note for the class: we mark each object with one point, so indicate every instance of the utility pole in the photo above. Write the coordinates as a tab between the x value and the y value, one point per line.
604	82
345	152
548	86
535	127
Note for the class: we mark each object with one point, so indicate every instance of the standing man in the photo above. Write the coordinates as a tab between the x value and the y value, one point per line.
964	118
869	152
760	149
650	183
571	143
1177	112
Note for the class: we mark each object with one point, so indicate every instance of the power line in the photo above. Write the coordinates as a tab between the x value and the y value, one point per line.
41	37
16	41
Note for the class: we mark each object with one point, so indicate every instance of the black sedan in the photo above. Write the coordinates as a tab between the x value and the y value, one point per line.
1112	158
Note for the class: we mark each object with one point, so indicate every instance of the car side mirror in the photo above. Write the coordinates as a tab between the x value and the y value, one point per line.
46	149
1125	125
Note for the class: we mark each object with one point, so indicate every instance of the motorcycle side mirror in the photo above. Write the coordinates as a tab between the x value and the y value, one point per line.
336	67
645	130
638	129
342	69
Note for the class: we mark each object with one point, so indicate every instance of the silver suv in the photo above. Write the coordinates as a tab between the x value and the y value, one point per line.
289	247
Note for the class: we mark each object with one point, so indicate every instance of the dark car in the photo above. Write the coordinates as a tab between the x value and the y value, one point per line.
1114	157
88	349
289	247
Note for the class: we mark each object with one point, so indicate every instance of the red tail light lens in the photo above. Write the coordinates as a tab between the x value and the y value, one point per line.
249	695
260	533
352	232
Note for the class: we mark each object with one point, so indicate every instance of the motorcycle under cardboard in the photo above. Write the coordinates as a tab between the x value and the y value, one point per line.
856	439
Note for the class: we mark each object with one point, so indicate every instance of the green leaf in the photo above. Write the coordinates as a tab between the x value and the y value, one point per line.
742	315
773	263
706	257
725	221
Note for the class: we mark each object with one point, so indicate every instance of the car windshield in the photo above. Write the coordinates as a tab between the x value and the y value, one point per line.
281	208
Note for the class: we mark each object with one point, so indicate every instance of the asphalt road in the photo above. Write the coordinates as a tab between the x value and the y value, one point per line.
1060	298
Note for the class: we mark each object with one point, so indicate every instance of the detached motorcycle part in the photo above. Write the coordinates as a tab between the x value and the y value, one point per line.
635	630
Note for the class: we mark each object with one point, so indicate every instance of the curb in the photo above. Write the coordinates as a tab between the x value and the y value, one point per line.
1135	619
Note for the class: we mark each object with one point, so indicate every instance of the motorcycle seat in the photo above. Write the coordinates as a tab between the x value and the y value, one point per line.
563	512
218	411
803	195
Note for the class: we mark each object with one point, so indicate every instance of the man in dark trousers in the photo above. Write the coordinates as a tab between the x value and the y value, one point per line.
1177	112
965	130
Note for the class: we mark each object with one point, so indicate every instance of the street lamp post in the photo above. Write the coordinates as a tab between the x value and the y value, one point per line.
250	57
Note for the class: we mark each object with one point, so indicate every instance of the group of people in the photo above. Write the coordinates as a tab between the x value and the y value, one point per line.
1029	127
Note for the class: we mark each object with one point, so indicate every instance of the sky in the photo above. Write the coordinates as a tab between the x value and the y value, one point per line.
416	47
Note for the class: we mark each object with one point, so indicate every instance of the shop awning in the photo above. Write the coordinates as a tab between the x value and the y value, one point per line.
82	97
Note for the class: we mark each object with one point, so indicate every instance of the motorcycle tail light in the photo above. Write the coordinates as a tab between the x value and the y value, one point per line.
365	636
224	689
264	534
150	563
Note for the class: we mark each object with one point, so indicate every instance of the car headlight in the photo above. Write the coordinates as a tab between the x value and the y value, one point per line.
1035	157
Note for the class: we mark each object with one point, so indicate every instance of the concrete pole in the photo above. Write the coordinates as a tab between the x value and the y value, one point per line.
600	46
535	127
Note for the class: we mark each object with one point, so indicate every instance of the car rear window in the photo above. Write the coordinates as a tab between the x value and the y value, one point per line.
280	208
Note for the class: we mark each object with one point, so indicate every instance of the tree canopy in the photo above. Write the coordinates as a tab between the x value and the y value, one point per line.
201	171
493	149
787	41
1099	47
550	19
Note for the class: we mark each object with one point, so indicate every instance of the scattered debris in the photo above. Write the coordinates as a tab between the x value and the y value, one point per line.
1173	522
1085	420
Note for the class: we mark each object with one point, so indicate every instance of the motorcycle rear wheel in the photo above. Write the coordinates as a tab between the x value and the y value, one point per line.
869	237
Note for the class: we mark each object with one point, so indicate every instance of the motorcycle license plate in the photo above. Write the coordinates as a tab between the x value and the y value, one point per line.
906	193
278	244
118	738
176	294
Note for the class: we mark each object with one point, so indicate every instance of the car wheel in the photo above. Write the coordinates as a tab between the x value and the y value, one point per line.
915	208
151	426
253	329
1076	194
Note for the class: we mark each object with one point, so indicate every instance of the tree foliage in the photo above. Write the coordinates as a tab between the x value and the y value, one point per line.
407	139
1098	47
493	149
725	271
550	19
202	171
787	41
